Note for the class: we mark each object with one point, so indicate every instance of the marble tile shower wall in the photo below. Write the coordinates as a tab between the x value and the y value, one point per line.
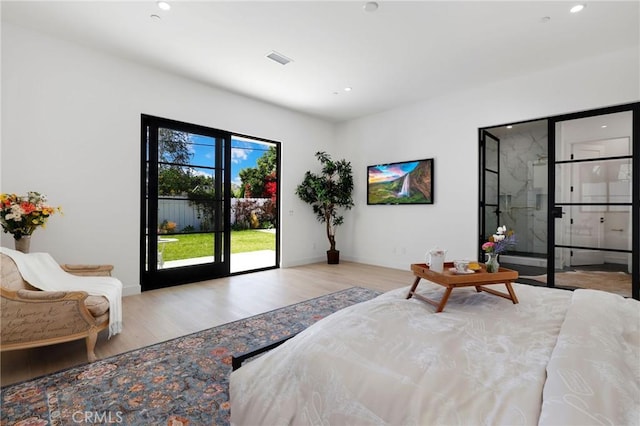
523	188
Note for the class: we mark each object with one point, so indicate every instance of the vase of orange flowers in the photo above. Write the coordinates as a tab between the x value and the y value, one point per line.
21	215
498	243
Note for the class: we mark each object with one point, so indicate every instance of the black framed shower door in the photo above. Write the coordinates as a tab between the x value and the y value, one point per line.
580	191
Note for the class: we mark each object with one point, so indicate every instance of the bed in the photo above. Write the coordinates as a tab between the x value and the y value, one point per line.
556	358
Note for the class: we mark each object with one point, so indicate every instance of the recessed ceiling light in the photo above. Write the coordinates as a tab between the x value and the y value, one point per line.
577	8
370	6
163	5
509	127
347	89
604	126
155	17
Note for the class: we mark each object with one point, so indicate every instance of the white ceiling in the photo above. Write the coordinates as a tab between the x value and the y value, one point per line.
402	53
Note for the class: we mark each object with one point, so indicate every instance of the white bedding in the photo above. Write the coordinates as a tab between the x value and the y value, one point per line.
483	361
594	371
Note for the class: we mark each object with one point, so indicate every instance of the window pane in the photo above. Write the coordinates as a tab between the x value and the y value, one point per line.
491	188
606	135
491	154
173	146
598	181
203	150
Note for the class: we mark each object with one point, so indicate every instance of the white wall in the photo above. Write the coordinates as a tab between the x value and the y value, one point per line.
71	124
71	130
446	128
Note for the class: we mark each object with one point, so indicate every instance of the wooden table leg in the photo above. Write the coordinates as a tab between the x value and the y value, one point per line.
413	288
511	295
514	298
444	300
439	305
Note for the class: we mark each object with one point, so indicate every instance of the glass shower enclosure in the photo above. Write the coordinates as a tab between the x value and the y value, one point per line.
517	196
565	185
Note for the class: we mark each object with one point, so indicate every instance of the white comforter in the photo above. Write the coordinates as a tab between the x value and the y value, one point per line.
594	371
483	361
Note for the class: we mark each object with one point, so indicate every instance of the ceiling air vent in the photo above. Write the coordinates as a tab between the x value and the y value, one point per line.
278	57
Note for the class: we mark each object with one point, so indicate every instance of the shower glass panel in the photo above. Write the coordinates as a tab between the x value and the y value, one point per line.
492	153
522	192
491	218
593	189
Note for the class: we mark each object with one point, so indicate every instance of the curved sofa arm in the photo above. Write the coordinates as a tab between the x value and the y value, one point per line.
49	296
29	316
88	270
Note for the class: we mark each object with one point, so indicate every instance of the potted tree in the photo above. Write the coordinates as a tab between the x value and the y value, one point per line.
327	192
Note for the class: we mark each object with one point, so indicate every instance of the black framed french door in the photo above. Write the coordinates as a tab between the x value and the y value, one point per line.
572	196
185	202
489	187
594	219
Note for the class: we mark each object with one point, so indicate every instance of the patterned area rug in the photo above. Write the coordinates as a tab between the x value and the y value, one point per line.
614	282
178	382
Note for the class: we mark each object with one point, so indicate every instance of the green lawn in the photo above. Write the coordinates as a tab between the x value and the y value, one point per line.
190	246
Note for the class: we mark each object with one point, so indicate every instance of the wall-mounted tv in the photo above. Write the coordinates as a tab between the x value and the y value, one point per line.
406	182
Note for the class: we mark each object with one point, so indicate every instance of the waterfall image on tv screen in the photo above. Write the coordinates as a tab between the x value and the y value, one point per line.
407	182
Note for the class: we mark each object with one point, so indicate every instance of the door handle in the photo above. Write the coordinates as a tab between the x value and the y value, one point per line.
557	212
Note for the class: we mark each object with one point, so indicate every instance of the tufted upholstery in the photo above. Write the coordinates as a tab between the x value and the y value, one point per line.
31	317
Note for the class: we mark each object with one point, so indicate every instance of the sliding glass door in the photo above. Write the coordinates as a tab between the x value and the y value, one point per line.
254	206
185	208
210	203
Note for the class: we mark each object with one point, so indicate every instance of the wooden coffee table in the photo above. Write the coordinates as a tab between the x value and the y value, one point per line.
450	280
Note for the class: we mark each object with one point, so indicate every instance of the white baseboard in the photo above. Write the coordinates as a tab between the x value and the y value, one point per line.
130	290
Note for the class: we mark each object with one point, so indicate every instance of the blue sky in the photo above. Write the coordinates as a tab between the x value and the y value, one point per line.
244	153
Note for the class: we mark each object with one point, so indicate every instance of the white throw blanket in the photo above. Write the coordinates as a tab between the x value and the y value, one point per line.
43	272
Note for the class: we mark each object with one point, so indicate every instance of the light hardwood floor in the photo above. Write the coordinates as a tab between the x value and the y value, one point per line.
159	315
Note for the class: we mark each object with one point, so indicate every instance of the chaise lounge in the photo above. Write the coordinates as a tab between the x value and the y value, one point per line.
32	317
